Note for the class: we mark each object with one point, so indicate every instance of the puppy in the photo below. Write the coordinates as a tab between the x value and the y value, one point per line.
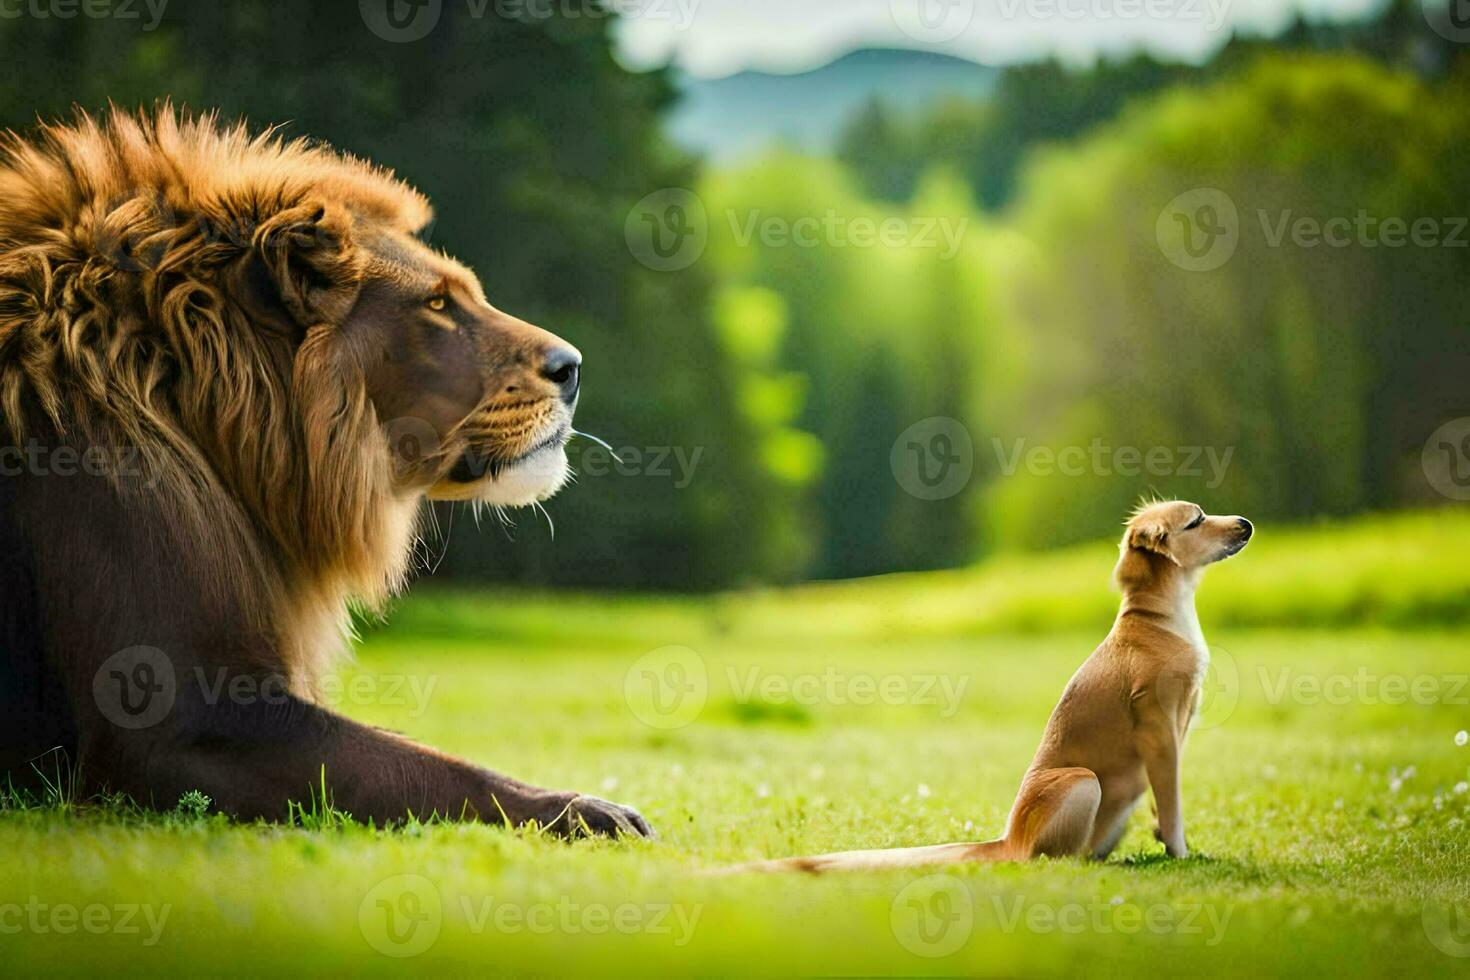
1120	725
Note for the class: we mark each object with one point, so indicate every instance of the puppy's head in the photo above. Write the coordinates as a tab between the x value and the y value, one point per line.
1175	534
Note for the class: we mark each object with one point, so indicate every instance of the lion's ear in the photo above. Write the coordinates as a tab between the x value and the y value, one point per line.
307	256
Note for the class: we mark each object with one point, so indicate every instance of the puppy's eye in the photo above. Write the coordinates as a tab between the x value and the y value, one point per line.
437	303
1196	522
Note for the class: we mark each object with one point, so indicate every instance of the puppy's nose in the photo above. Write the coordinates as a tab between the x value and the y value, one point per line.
563	368
1246	530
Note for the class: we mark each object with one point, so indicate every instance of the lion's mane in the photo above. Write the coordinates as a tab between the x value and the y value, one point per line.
126	250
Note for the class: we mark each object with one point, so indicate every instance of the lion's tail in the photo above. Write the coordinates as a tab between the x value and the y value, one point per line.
881	860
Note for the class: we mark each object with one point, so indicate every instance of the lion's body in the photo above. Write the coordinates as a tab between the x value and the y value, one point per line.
192	321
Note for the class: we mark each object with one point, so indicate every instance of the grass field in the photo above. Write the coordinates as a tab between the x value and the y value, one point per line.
1325	792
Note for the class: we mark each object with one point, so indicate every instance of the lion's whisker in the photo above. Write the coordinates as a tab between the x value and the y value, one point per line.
537	505
601	442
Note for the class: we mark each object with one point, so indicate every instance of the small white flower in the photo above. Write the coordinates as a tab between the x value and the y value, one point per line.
1461	737
676	770
970	824
762	791
1116	900
1411	772
610	783
924	791
1394	785
1462	786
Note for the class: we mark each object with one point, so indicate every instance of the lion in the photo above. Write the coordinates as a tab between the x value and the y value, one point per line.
231	373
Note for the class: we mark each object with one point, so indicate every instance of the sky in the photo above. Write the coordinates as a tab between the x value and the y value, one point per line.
715	38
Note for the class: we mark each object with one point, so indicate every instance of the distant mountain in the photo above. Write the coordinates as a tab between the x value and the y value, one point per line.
730	118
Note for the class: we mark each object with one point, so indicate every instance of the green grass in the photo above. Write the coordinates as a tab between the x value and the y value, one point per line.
1325	820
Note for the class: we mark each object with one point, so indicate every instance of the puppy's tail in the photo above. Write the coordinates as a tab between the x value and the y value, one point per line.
881	860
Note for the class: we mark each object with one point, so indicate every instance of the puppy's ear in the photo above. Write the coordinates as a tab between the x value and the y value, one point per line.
1144	542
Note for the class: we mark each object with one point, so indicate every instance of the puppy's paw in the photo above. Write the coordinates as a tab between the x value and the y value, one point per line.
1180	850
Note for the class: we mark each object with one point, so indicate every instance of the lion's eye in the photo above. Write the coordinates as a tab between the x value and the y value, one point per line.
1196	522
438	303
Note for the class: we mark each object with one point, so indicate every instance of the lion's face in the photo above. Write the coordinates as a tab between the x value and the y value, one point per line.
476	404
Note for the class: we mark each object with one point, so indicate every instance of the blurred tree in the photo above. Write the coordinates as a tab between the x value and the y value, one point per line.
534	146
1320	355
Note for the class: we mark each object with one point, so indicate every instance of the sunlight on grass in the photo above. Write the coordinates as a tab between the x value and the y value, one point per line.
1326	797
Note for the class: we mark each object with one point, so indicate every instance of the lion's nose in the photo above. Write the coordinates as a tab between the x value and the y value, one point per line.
1246	530
563	368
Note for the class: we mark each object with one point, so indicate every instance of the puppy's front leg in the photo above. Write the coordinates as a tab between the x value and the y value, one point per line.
1160	750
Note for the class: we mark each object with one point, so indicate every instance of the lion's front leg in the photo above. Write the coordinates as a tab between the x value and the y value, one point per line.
255	759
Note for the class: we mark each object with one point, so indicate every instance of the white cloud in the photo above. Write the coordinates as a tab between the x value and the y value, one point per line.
713	38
